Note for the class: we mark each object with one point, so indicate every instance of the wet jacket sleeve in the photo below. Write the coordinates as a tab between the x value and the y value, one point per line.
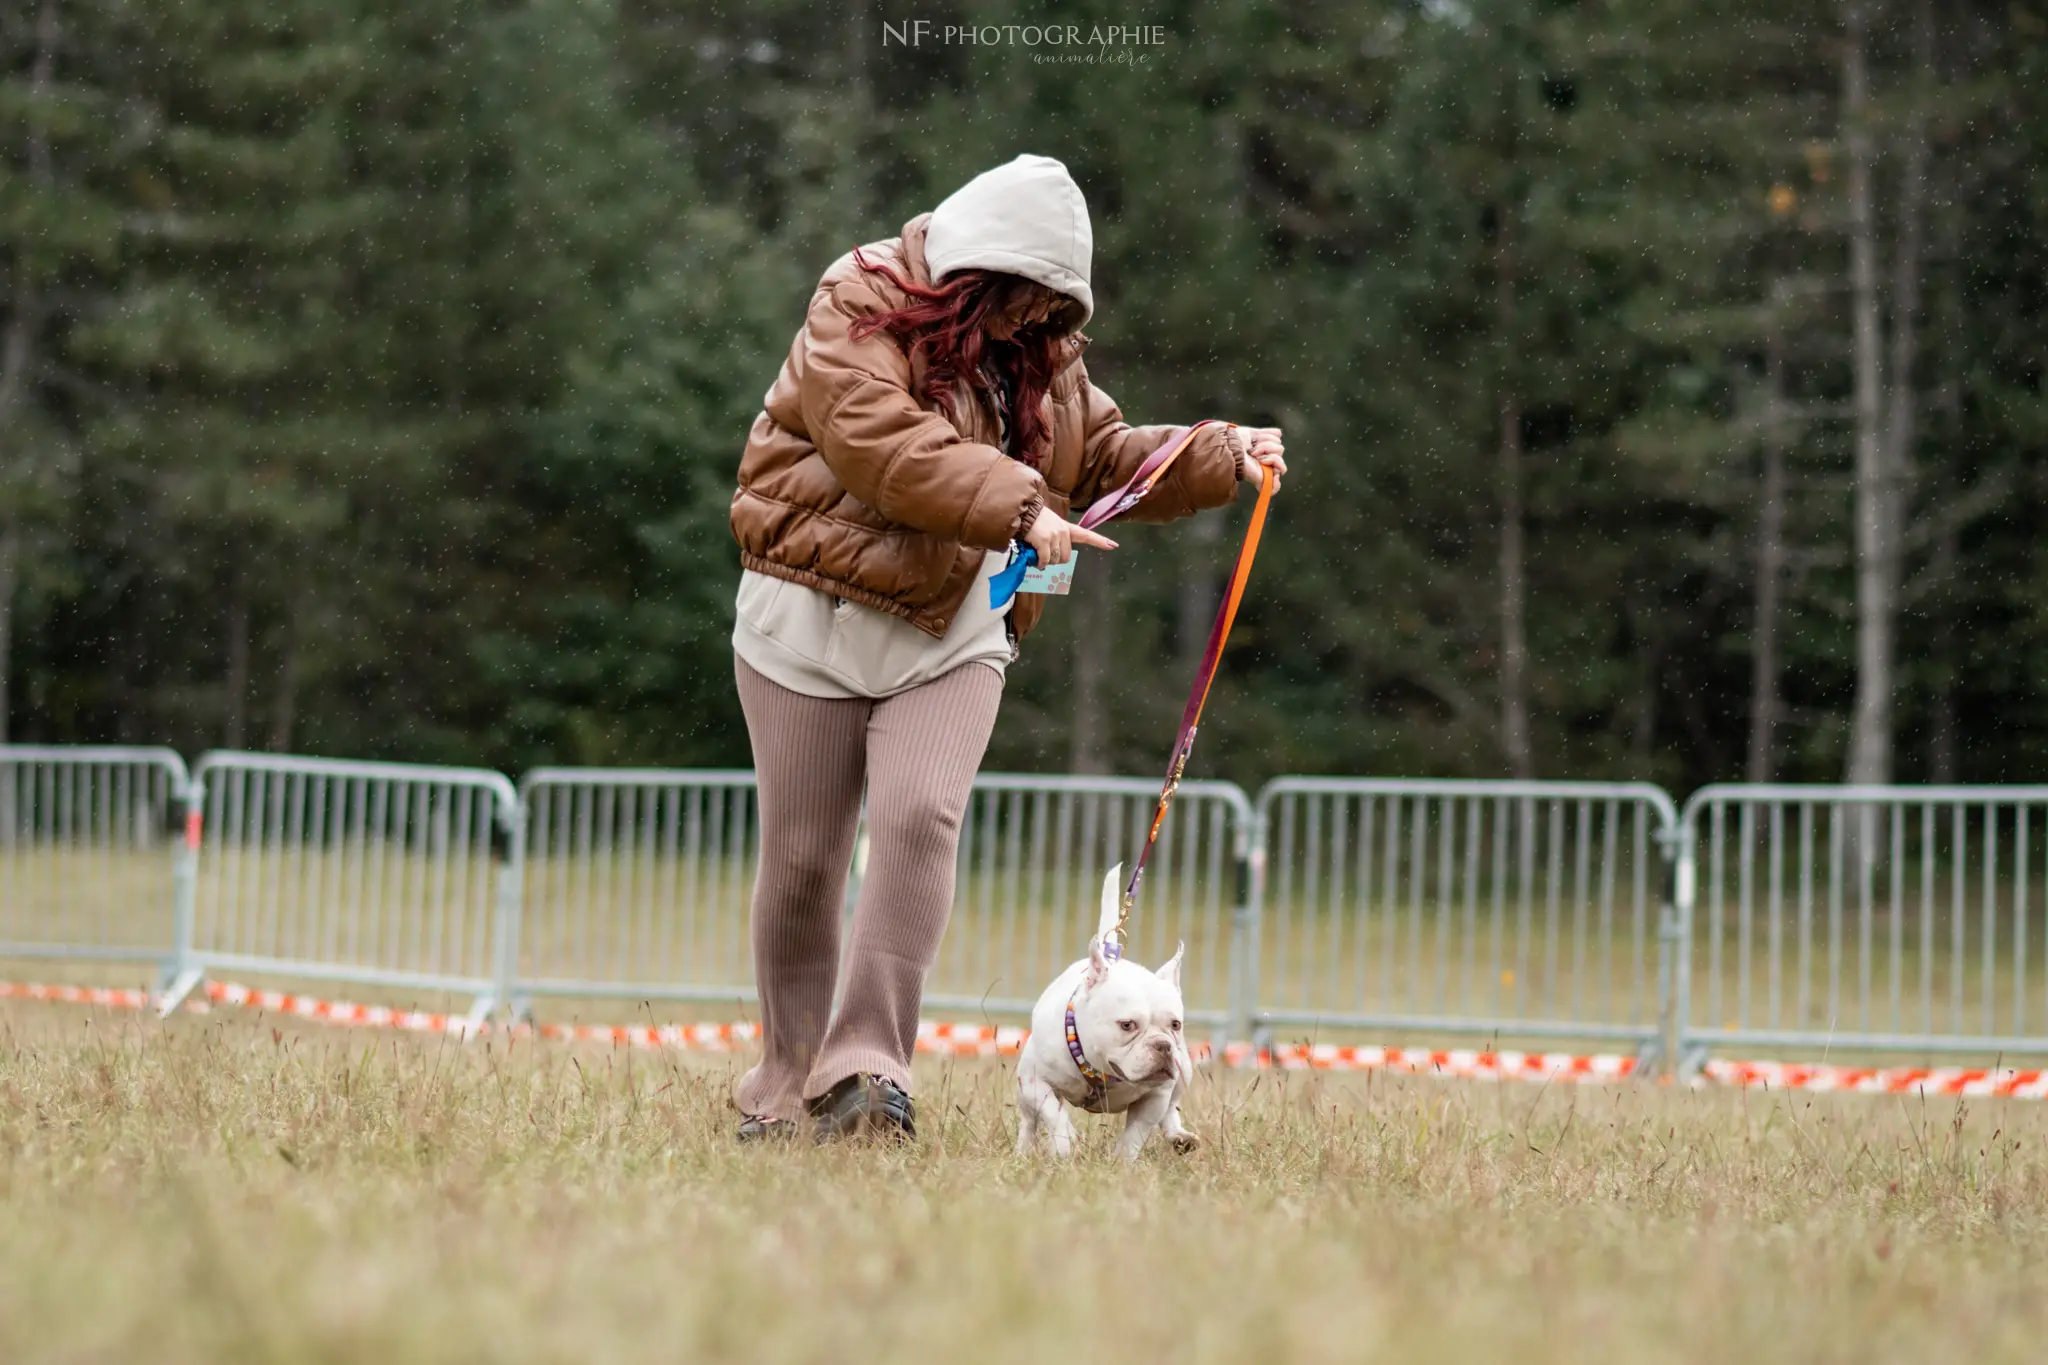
906	462
1204	476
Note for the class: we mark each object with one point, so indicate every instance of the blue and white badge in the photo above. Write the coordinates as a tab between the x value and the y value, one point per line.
1056	581
1023	574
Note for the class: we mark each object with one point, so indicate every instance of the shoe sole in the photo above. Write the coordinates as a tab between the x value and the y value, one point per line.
868	1125
785	1131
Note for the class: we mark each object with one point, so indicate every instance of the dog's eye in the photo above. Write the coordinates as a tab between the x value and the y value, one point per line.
1127	1025
1176	1026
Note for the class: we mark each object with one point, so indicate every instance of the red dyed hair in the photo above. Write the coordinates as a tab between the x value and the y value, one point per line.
949	323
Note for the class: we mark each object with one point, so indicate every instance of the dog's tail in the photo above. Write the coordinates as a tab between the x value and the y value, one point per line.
1112	905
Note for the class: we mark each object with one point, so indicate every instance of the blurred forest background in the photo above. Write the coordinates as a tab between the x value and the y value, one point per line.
1665	389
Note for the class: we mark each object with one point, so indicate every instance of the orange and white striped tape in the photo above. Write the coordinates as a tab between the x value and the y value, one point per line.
107	997
1461	1063
703	1037
335	1011
689	1037
990	1040
2002	1082
970	1040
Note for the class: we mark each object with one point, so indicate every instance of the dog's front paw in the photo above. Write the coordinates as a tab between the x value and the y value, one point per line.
1185	1142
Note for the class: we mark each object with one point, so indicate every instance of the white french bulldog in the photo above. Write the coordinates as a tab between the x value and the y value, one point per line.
1126	1050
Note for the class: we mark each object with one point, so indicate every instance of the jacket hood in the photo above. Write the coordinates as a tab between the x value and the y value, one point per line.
1026	217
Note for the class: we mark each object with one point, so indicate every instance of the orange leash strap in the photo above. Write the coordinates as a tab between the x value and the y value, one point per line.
1198	695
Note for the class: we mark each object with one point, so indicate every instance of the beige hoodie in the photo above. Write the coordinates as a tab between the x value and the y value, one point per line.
1026	217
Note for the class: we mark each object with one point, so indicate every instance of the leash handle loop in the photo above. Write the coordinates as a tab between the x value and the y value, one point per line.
1112	505
1003	585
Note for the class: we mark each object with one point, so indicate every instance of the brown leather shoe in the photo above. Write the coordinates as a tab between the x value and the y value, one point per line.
870	1106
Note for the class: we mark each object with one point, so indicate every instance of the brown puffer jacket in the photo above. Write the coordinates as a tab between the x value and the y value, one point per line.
851	484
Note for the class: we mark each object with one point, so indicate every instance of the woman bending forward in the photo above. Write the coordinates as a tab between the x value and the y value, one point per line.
933	409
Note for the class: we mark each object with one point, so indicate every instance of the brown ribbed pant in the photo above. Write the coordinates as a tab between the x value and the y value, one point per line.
917	753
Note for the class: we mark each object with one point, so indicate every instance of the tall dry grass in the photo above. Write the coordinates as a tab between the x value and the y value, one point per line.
221	1189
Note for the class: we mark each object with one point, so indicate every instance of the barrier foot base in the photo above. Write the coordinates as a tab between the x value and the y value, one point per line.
179	987
479	1015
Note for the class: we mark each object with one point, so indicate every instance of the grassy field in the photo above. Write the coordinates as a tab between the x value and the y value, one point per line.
223	1190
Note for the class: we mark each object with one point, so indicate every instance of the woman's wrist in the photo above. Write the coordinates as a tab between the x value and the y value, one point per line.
1262	454
1032	507
1240	451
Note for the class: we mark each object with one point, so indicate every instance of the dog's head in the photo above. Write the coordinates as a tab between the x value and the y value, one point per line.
1131	1020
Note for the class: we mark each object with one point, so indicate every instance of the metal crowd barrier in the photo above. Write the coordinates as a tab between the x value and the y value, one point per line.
92	856
639	883
1893	919
1858	920
387	874
1511	910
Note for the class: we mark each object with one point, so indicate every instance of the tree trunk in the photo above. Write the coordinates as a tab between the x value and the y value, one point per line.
1870	732
1514	699
1902	408
17	360
1941	738
1884	403
1094	623
236	703
1902	398
284	711
10	554
1200	590
1764	704
1649	661
9	816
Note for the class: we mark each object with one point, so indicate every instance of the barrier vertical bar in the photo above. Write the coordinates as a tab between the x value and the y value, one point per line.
1674	950
510	916
179	976
1247	919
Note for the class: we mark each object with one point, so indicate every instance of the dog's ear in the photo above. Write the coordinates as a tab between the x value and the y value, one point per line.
1112	902
1169	971
1098	964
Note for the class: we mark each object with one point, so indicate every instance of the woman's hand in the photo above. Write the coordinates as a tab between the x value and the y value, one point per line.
1054	537
1258	447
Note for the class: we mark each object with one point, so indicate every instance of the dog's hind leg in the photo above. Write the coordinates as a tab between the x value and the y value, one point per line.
1027	1122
